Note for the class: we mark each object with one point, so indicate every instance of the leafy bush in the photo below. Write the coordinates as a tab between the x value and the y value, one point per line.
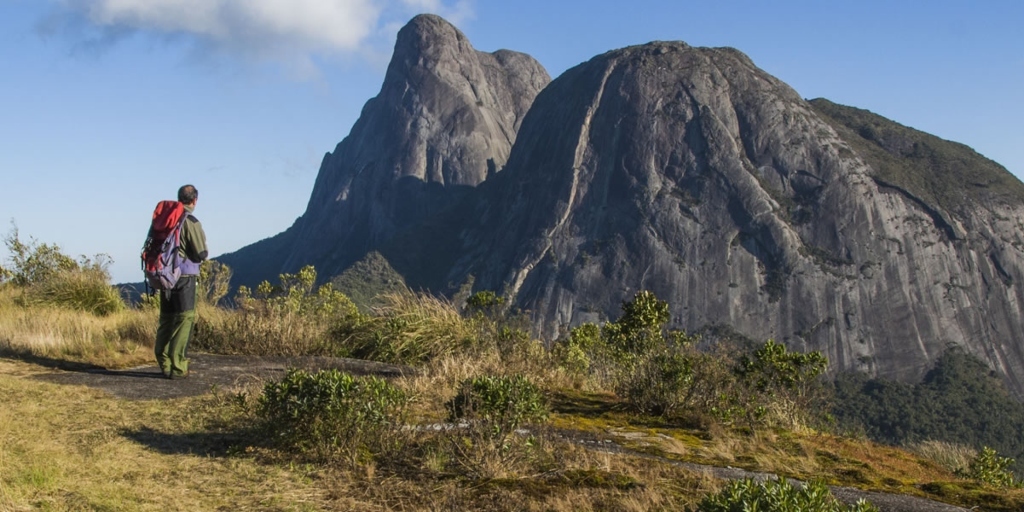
779	385
661	372
484	302
578	352
53	278
639	330
658	383
778	496
495	407
611	351
331	414
506	402
990	468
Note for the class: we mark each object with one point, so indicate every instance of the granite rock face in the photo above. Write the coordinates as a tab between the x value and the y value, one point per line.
445	119
692	173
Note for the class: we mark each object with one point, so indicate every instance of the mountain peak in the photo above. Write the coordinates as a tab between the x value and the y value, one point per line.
428	35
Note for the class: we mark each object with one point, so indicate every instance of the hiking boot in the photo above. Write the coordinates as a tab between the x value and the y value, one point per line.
178	376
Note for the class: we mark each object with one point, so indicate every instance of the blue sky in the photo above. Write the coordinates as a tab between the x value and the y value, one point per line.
107	106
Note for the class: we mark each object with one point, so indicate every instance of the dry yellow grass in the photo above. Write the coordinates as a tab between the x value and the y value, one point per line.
951	456
124	338
72	448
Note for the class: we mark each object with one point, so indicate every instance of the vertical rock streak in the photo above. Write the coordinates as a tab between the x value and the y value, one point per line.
582	146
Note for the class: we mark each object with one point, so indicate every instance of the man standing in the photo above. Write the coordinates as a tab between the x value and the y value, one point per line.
178	305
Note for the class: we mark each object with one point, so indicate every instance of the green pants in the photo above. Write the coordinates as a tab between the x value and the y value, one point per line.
177	320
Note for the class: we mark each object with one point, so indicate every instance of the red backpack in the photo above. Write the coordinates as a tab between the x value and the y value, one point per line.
161	262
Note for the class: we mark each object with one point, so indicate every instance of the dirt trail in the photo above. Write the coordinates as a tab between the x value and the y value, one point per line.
208	372
224	373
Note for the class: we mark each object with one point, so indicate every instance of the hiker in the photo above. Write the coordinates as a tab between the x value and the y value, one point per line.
178	305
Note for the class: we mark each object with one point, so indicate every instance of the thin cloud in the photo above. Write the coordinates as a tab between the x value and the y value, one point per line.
298	32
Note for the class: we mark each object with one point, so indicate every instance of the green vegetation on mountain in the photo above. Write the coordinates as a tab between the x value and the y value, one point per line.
959	401
368	278
945	175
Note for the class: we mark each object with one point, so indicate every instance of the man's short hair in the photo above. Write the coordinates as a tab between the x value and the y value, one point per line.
188	194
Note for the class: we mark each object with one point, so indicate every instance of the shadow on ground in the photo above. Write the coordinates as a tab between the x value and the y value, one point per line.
48	362
201	443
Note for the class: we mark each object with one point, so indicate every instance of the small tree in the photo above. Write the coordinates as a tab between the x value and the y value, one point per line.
639	329
485	302
779	379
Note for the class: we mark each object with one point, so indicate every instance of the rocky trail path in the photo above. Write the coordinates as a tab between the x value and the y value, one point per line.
209	373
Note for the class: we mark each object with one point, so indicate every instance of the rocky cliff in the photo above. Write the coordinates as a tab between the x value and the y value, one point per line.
445	119
686	171
692	173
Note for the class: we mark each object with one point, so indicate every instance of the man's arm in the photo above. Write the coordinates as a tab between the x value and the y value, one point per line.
194	240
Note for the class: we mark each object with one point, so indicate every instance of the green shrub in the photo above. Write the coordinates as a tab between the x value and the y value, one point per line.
639	329
610	352
772	368
494	407
579	352
484	302
658	383
507	402
53	278
777	496
333	415
662	373
990	468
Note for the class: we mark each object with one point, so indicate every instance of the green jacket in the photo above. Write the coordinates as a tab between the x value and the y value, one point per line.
193	244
